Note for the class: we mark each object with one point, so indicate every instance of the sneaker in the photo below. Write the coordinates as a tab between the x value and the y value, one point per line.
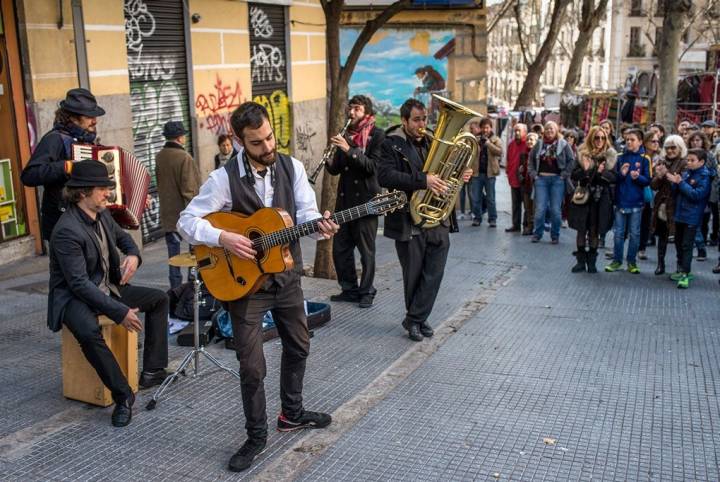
306	419
476	222
684	282
614	266
492	224
632	268
702	254
716	269
554	241
642	255
243	458
677	276
535	239
461	216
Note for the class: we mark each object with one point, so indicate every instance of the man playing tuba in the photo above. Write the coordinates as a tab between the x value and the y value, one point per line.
422	251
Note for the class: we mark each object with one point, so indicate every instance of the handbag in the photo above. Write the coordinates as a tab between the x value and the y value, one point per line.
581	195
648	194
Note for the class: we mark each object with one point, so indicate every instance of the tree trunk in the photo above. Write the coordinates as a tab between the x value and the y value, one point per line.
588	23
668	59
338	88
532	81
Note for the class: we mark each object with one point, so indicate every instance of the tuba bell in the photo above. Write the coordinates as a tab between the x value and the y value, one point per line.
449	156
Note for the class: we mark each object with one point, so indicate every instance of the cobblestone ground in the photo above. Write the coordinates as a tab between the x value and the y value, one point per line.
557	377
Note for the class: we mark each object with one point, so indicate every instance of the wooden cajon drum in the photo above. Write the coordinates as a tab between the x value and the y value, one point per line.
80	381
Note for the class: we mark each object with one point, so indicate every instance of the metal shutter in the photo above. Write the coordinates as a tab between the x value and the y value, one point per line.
155	39
268	67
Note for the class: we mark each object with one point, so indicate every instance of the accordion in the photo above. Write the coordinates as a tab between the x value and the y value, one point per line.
132	180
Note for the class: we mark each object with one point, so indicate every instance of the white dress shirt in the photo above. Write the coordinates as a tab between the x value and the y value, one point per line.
215	196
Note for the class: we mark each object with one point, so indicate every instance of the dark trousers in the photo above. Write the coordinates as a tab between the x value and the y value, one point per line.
172	240
288	310
684	242
516	199
645	226
663	232
529	208
82	322
423	266
715	221
359	234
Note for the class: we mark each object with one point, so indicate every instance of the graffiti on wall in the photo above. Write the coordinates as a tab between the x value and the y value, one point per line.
158	90
406	61
260	22
303	140
217	106
267	60
278	107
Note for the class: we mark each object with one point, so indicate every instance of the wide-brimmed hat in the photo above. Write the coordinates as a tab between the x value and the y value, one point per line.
89	174
173	129
80	101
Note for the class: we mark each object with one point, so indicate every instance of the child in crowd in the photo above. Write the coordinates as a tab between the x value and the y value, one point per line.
633	174
691	190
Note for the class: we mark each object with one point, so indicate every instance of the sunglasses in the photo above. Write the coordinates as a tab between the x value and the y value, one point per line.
670	147
599	138
654	142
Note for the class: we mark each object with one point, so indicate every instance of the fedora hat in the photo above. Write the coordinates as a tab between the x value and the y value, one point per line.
80	101
89	174
173	129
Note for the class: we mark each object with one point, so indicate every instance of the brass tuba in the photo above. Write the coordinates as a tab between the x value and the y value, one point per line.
450	154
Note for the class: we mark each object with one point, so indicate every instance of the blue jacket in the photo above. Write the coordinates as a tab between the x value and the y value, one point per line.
691	196
629	191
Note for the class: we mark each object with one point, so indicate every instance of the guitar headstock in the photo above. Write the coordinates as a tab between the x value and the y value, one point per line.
386	203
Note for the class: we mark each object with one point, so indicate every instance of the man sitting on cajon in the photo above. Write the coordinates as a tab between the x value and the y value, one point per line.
87	279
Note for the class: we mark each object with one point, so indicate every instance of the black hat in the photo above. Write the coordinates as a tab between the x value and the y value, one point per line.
173	129
89	174
82	102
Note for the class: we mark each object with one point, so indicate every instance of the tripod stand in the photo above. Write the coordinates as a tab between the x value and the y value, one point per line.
194	354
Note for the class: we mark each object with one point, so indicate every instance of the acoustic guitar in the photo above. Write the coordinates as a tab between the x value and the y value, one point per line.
271	230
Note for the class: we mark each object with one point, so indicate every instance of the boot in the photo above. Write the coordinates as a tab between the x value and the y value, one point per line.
581	256
661	250
591	260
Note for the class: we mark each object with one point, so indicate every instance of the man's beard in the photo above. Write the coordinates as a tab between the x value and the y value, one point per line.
262	160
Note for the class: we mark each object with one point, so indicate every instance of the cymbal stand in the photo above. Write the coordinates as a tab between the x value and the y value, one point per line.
194	354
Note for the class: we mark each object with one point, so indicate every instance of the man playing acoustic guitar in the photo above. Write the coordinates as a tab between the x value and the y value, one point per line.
259	177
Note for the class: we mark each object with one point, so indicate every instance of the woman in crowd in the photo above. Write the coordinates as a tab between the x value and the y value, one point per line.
651	141
595	171
609	128
526	187
672	160
550	164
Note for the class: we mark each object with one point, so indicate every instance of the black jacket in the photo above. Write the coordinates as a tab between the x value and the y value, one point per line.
358	178
76	265
47	168
400	167
217	157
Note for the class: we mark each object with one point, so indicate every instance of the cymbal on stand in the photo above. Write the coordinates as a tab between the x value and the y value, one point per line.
183	260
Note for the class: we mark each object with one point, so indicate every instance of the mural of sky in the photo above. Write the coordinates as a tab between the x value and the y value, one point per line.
386	69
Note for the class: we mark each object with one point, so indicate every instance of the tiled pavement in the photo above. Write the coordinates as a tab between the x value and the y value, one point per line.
618	373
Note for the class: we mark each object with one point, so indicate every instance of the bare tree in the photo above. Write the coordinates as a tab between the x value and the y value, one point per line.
338	82
590	16
675	15
494	18
702	22
537	66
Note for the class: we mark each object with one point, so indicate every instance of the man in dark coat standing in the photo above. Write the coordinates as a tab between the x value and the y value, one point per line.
50	164
355	162
87	279
178	181
422	251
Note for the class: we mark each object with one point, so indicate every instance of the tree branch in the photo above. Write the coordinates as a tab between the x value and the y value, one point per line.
523	48
371	26
501	13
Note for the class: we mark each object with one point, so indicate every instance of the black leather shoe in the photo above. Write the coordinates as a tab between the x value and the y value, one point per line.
346	296
122	414
426	330
413	330
366	301
243	458
150	379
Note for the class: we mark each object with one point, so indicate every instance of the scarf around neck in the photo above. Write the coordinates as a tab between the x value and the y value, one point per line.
76	132
361	132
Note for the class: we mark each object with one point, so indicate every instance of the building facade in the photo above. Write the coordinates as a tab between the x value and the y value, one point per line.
150	61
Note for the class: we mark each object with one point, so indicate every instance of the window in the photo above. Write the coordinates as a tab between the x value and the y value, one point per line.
601	48
658	40
635	49
636	8
588	79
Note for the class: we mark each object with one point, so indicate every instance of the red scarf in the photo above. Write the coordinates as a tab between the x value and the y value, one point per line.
361	132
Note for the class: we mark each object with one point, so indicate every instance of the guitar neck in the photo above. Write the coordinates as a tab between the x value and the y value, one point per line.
293	233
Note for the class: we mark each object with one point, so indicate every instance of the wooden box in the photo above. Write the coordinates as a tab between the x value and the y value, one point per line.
80	381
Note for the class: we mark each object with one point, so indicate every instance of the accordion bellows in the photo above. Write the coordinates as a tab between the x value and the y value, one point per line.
131	177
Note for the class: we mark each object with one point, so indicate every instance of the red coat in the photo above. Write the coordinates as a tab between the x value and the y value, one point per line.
514	152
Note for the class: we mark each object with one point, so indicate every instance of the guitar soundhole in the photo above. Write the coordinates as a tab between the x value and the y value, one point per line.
253	235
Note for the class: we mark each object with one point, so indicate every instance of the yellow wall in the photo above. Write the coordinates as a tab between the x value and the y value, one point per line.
106	51
307	51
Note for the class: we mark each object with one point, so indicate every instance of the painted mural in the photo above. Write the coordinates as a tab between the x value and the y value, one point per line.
395	65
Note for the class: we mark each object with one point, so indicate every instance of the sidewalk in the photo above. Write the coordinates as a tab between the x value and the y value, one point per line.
617	372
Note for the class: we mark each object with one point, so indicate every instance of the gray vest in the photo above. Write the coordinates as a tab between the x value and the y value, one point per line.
246	201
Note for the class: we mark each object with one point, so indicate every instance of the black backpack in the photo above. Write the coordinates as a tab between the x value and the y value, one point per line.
181	302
